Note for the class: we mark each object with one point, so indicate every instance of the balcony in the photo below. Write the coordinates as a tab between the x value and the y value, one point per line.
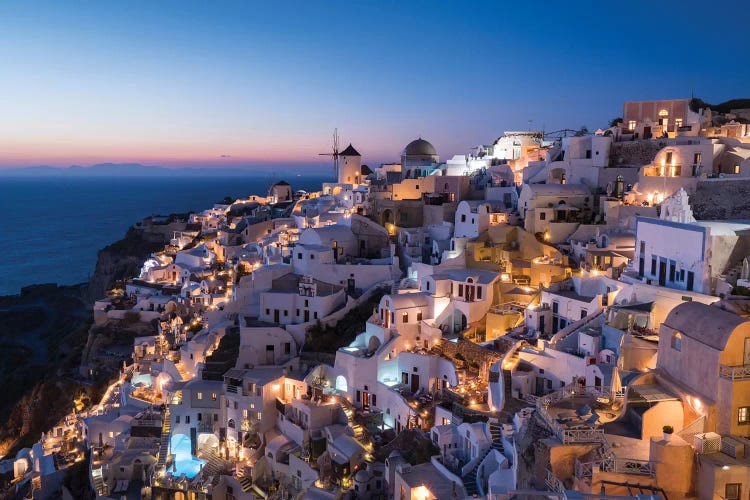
207	426
739	372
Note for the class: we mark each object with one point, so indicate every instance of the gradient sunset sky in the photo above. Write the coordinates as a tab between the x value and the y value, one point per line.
244	84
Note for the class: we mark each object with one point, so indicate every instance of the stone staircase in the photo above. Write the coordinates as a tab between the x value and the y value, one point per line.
182	371
214	466
470	483
496	431
246	483
166	431
99	484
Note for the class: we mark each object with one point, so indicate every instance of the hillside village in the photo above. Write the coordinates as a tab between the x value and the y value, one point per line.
546	316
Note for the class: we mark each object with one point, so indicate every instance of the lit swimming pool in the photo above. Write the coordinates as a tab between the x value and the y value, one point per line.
184	462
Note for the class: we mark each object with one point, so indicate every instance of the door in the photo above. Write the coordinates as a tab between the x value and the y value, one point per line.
647	132
541	323
307	315
690	280
746	358
414	382
662	273
275	315
366	400
597	381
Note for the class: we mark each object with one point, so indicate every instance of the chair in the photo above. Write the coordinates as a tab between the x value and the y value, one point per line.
593	419
583	411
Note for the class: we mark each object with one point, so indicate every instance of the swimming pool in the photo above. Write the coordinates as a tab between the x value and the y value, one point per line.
184	462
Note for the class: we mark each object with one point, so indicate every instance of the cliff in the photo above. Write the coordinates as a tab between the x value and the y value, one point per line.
721	199
123	259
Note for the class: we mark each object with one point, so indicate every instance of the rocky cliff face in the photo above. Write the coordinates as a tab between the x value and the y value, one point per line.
721	199
123	259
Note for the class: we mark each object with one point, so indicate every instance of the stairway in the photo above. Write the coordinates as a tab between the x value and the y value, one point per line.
496	431
246	483
470	483
214	465
99	485
182	371
166	431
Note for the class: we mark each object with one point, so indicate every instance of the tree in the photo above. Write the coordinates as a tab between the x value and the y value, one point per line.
615	121
582	131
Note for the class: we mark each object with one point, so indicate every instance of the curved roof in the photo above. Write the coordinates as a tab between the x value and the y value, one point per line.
419	147
407	300
708	325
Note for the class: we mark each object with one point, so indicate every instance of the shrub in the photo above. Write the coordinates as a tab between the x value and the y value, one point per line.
668	429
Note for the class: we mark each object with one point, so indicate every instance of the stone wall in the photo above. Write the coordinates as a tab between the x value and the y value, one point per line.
716	199
635	153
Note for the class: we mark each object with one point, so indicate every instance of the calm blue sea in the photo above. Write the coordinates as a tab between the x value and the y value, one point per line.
51	228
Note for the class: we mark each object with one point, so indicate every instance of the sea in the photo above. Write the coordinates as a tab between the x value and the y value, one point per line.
52	227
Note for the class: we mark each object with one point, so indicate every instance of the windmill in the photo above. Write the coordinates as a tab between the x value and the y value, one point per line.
334	153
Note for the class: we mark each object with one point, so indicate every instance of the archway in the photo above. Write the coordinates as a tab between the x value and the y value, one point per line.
341	384
208	443
387	216
459	321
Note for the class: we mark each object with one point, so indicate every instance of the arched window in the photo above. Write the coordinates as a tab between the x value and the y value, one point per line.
663	112
677	342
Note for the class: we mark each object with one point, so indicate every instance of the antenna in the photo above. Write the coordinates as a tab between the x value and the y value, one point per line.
334	153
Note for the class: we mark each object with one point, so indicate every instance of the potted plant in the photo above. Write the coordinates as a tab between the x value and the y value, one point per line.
668	430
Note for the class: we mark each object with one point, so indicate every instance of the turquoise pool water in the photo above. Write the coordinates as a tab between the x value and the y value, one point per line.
184	462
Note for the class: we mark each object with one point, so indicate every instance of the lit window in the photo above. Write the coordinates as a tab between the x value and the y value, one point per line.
743	415
678	122
677	342
213	396
631	125
200	396
736	169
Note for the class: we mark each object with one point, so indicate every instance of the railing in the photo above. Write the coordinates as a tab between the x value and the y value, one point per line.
553	482
739	372
206	426
565	434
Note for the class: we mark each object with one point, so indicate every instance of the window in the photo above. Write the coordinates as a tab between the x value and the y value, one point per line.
631	124
177	419
736	169
286	312
287	347
732	491
463	217
479	292
427	285
678	122
213	396
584	313
299	255
244	413
187	419
460	290
743	415
405	317
200	396
268	311
697	158
653	266
542	216
235	405
677	342
669	157
419	316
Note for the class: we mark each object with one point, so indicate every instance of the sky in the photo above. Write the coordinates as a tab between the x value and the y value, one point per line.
252	84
